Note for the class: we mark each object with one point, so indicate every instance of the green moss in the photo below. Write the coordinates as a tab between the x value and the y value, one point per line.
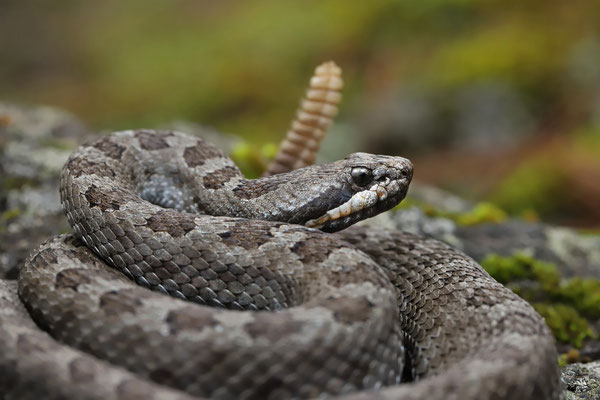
10	214
522	266
59	144
583	294
410	202
7	216
13	182
563	360
565	304
251	159
589	231
507	269
269	150
482	212
566	323
546	274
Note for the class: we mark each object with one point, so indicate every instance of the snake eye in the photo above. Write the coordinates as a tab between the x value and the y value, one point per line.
361	176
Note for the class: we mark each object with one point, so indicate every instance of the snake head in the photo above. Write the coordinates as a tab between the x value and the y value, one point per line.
371	184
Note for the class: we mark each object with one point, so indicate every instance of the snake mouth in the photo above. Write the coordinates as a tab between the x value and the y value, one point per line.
378	198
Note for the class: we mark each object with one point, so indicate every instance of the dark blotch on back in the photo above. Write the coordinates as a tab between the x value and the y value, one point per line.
200	153
273	327
240	235
46	256
82	254
251	189
349	310
71	279
190	319
161	376
109	148
218	178
108	200
315	249
174	223
74	241
117	302
30	344
153	140
131	389
82	370
80	166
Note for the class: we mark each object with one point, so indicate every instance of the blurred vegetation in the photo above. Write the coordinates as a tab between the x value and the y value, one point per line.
496	100
480	213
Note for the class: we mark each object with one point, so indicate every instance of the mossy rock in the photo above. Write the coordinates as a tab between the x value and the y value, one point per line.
567	305
483	212
567	325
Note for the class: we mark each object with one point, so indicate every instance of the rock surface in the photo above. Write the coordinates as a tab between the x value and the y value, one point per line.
573	253
34	145
581	381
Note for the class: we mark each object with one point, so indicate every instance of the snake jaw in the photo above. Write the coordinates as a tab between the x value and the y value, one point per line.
358	202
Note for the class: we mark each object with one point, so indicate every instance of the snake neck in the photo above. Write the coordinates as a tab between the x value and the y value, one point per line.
330	197
294	197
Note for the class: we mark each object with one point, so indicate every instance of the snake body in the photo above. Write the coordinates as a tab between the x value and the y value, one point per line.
296	312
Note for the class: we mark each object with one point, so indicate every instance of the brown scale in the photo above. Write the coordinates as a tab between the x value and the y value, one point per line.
313	118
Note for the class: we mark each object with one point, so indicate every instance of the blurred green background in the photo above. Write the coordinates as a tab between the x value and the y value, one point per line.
494	100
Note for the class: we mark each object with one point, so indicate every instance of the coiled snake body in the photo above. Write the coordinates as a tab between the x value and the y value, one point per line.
352	313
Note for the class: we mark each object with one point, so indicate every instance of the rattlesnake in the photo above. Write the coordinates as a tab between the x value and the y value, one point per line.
349	314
